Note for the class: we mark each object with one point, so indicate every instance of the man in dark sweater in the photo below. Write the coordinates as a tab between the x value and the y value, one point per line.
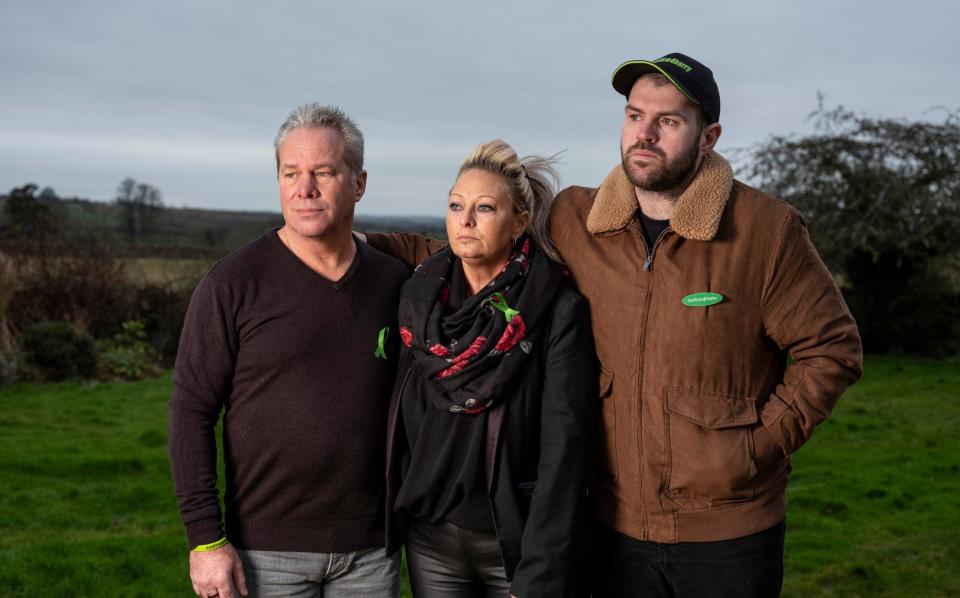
293	338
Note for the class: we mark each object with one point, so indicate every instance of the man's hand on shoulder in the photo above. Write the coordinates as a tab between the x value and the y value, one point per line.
217	573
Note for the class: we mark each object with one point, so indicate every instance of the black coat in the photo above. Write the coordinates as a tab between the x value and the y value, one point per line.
539	458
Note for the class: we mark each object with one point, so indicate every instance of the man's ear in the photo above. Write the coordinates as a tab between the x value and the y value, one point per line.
709	137
361	183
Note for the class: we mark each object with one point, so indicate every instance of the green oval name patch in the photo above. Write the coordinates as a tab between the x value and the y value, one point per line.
702	299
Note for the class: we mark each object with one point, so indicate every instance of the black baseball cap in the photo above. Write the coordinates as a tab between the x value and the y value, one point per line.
692	78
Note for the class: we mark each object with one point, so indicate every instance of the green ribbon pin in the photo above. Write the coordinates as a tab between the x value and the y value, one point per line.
499	302
382	342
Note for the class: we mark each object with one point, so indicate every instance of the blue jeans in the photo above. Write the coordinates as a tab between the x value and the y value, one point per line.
370	573
748	567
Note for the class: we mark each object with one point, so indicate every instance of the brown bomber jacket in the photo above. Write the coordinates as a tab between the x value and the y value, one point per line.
693	396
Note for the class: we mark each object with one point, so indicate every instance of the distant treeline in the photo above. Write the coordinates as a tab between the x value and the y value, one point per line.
145	228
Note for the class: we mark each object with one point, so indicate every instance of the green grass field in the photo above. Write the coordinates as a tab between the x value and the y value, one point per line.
87	507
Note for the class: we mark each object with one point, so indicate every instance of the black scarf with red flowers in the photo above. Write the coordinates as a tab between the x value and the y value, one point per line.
470	354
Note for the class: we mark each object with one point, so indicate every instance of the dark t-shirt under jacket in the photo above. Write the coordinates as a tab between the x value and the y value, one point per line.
291	359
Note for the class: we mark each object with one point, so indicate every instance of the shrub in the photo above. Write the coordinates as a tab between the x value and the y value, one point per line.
79	282
8	285
9	368
882	198
128	355
57	350
162	310
922	317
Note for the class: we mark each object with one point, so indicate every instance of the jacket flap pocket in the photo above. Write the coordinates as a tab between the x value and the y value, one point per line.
711	410
606	383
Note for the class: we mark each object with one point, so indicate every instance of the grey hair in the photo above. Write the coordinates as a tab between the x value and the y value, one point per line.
316	116
532	181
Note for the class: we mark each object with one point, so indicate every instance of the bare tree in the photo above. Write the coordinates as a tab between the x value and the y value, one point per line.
140	203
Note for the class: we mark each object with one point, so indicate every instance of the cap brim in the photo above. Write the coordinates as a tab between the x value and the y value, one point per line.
625	75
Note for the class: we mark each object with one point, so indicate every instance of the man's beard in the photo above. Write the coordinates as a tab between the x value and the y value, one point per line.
671	175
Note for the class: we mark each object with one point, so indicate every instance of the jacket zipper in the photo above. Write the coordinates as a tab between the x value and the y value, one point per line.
643	334
649	263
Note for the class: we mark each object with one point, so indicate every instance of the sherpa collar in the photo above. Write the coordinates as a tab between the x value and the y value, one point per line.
696	215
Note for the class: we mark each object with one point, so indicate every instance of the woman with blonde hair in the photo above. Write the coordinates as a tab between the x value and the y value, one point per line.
493	417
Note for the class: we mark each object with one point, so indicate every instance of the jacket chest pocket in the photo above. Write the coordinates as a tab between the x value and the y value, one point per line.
710	446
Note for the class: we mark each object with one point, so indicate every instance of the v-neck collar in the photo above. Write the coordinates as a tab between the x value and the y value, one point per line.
335	284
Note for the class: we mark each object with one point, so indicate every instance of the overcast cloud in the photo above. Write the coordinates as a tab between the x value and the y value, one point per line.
187	96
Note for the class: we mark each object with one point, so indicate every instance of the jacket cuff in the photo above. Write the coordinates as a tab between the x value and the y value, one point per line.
770	415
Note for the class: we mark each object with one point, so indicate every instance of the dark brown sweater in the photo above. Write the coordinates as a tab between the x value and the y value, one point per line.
288	356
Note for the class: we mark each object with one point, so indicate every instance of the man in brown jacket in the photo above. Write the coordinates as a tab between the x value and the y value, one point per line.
700	288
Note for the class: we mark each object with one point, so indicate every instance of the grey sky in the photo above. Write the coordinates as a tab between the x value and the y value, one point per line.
187	96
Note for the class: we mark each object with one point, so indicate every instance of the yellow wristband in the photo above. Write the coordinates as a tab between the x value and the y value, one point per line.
213	546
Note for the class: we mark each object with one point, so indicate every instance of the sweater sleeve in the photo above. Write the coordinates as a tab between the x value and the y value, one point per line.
552	540
202	379
804	313
410	248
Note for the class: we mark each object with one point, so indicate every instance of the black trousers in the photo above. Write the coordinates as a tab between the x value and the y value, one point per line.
446	561
748	567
